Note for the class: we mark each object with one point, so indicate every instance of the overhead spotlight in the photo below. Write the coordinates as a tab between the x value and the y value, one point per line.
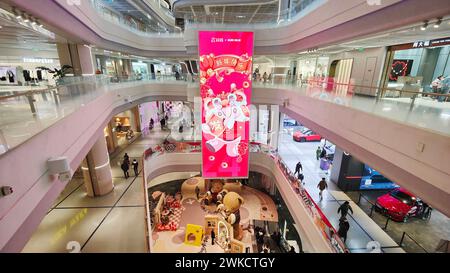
26	19
16	13
438	22
33	22
424	26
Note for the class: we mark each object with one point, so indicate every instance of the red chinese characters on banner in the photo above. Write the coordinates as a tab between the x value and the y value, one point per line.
225	88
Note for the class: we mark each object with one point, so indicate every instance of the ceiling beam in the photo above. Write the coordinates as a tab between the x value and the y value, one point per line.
254	13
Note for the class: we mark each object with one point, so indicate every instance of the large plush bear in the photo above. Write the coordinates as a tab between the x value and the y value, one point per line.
231	205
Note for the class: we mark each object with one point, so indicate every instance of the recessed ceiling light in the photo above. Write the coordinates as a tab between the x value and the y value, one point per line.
424	26
438	22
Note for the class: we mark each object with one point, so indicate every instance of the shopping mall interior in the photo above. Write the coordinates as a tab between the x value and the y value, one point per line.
225	126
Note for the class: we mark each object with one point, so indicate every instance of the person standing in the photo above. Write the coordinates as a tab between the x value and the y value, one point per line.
298	168
344	208
197	191
126	158
163	123
344	226
125	167
151	124
135	165
322	186
213	237
318	152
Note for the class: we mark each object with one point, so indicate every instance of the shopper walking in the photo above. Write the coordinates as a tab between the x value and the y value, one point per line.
151	124
197	191
298	168
318	152
213	237
344	208
126	158
322	186
344	226
135	165
125	167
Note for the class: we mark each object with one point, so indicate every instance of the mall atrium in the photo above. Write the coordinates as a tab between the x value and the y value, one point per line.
224	126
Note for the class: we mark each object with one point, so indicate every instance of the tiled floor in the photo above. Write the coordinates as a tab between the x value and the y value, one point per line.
427	233
362	228
111	223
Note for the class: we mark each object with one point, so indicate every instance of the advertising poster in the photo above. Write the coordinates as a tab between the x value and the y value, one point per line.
373	180
225	88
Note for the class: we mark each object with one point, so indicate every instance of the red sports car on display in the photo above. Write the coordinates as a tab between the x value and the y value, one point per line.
306	136
399	205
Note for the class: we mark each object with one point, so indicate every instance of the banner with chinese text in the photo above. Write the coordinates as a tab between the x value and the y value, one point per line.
225	88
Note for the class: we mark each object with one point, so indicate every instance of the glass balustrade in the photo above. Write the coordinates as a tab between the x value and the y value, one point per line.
25	111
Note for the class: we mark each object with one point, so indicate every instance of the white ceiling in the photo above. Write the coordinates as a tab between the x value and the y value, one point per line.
20	35
404	35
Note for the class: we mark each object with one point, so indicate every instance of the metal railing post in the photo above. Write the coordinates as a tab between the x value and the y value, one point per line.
55	96
371	210
359	199
31	102
387	222
401	240
413	98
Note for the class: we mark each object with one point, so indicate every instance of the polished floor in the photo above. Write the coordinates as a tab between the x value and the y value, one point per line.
422	235
362	228
111	223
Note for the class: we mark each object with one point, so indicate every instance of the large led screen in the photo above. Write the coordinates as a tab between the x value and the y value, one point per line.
225	88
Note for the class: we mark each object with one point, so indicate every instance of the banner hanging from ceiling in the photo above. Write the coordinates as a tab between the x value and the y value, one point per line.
225	88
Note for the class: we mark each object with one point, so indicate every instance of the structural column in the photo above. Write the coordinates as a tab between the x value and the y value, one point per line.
274	126
78	56
97	170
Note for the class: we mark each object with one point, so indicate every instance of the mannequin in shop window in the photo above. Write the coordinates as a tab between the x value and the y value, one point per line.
10	76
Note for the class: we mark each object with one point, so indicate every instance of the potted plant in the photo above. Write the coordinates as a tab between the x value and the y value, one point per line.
58	74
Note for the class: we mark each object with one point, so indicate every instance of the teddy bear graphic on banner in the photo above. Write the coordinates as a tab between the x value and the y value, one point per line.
225	115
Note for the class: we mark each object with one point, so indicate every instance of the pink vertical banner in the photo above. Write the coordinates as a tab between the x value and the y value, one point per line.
225	88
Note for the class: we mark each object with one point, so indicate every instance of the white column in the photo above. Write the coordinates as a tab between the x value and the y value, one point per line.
97	170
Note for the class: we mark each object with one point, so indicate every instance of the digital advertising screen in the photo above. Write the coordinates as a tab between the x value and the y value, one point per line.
373	180
225	88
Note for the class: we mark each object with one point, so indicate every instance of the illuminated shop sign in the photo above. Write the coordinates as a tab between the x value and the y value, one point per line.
225	87
41	61
431	43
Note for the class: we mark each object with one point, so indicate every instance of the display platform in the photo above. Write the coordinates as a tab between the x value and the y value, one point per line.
185	214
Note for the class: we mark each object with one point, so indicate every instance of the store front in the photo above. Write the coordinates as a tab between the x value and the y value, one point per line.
126	125
312	67
140	68
413	67
26	71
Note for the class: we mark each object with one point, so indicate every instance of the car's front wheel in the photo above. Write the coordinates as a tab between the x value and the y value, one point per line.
302	139
405	219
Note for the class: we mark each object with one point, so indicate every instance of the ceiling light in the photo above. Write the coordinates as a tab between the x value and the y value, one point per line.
424	26
438	22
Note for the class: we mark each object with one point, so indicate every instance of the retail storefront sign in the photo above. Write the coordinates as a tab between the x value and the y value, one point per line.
225	87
